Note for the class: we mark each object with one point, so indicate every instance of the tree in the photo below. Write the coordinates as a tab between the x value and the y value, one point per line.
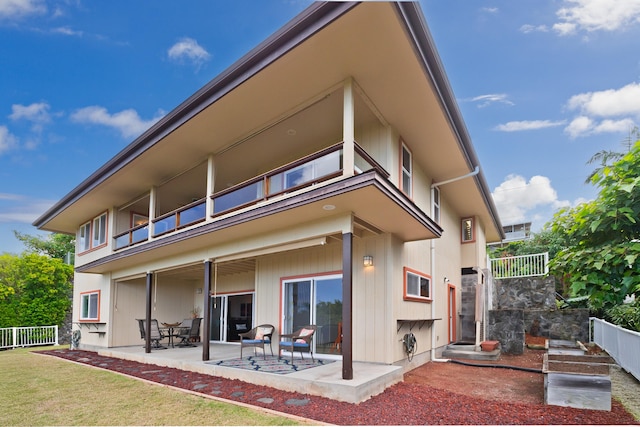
55	245
602	257
40	287
607	157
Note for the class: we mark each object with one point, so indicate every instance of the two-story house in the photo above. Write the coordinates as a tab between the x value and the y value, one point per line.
324	178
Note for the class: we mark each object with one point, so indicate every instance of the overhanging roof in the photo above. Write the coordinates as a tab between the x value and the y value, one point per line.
388	50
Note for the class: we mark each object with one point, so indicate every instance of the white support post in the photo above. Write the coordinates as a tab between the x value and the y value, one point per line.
152	210
348	129
210	187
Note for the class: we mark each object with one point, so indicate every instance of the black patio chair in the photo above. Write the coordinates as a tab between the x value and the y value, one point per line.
189	333
156	334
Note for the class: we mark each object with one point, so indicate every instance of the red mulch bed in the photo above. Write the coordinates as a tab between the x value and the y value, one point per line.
435	393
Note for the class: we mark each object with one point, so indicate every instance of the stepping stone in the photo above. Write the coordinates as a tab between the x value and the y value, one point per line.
266	400
237	394
199	386
297	402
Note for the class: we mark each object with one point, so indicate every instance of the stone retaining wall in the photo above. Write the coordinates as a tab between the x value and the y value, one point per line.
528	305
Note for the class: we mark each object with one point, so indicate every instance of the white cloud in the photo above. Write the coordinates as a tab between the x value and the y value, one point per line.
188	49
615	108
127	122
597	15
13	9
19	208
517	126
490	9
528	28
491	98
608	103
67	31
7	140
516	199
36	112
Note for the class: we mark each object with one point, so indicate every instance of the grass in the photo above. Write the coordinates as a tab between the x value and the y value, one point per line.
38	390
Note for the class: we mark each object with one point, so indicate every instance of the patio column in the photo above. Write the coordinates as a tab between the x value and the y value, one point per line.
348	129
347	272
147	323
206	308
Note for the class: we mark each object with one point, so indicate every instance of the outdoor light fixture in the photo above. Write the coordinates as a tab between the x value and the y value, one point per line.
367	260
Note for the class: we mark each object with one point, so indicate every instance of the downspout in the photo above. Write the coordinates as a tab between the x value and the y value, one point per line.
475	172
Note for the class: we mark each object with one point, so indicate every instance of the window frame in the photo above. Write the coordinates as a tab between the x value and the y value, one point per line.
406	272
86	296
86	238
408	190
471	228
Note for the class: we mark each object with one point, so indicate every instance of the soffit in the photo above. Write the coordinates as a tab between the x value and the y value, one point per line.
368	43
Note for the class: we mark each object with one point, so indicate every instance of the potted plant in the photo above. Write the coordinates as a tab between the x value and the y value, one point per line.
195	312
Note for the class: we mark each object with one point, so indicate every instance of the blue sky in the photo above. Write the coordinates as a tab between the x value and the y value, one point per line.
542	86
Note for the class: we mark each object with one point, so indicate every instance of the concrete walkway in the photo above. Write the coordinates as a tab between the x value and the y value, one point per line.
369	379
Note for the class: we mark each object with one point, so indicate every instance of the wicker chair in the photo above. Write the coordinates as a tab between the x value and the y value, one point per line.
300	341
257	337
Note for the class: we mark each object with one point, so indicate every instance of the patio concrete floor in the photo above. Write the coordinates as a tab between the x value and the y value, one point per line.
368	380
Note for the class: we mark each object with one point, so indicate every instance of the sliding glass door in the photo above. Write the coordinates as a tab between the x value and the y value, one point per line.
230	316
315	301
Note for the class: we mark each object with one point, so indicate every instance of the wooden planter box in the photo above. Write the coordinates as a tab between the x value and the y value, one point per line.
577	381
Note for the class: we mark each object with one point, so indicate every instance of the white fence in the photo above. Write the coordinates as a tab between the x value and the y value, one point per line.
621	344
520	266
28	336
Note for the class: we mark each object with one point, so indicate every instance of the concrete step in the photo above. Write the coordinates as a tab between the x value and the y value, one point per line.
469	351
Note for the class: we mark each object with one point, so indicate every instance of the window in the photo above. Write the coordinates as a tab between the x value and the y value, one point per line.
468	232
406	166
93	234
99	231
417	286
436	204
84	242
90	305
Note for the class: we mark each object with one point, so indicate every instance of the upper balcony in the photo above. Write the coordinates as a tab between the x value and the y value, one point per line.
312	170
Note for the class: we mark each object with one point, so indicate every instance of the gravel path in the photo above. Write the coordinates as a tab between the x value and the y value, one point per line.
406	403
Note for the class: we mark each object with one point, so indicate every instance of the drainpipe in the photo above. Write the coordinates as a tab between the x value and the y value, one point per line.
475	172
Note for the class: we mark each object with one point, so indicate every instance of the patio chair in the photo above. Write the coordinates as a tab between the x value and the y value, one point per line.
188	332
257	337
156	334
300	341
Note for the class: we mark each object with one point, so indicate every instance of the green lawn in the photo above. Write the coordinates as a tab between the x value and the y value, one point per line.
37	390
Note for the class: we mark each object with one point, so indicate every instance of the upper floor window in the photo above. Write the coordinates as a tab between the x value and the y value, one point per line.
90	305
93	234
407	170
436	204
468	230
417	286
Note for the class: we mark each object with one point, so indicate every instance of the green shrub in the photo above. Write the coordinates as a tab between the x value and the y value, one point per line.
625	315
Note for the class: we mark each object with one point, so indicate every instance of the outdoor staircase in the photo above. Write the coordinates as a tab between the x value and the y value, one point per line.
465	350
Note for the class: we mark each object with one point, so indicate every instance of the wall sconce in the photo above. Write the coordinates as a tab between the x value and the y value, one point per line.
367	261
198	290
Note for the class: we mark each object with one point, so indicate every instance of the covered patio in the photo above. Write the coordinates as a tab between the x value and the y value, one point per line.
324	380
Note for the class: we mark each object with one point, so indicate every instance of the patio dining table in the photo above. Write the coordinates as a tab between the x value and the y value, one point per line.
169	329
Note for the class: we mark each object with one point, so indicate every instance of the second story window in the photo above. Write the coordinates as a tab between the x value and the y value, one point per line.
468	231
436	204
406	170
93	234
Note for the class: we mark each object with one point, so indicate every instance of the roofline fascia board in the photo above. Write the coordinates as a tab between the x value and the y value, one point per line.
418	31
300	28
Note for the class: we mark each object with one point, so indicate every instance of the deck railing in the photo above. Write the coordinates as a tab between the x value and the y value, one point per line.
307	171
520	266
28	336
621	344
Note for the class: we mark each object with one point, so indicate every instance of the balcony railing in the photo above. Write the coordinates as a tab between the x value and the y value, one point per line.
313	169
